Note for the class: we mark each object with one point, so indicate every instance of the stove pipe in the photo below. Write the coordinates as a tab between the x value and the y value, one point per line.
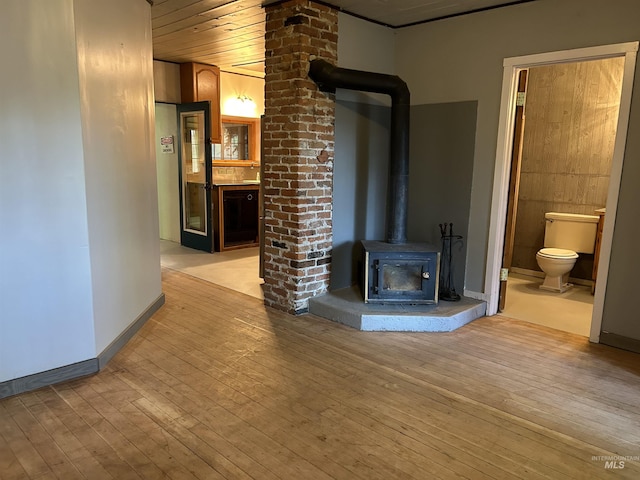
328	78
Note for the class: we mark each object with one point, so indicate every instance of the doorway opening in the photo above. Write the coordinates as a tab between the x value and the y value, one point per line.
563	145
233	269
512	69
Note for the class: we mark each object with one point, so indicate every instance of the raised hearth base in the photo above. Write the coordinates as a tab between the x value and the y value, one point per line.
346	306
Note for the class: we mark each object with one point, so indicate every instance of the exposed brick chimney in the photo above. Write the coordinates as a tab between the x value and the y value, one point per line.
298	145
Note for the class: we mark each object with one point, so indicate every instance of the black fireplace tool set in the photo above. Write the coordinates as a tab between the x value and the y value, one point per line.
447	289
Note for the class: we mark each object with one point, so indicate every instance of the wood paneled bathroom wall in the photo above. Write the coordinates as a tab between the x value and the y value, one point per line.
571	115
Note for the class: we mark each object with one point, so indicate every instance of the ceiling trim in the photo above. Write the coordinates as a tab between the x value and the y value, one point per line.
267	3
477	10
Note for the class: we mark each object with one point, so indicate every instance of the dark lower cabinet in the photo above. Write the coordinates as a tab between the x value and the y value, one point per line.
236	217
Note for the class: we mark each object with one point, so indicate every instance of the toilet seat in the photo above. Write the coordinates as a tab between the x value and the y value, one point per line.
557	253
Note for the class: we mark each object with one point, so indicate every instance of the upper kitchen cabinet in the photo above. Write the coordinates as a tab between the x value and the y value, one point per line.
200	82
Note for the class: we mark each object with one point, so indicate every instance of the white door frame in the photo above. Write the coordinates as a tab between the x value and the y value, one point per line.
503	156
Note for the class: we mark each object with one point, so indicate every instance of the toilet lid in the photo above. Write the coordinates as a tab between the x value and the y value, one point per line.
558	253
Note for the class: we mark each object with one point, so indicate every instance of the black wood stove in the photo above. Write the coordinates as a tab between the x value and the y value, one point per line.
406	273
395	271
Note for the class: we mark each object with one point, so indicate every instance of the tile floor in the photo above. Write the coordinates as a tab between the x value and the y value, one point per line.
234	269
569	311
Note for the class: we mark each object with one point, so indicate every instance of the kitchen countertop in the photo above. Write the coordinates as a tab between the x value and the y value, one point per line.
236	184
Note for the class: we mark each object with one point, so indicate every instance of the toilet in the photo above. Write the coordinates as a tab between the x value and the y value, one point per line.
565	235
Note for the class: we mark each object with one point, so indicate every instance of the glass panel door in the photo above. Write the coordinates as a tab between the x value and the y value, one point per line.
195	176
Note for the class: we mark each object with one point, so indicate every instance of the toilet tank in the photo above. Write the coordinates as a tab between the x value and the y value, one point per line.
570	231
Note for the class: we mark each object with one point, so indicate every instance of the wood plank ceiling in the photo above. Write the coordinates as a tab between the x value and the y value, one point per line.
230	33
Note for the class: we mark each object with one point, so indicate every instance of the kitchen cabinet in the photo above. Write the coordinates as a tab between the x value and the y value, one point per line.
198	83
236	216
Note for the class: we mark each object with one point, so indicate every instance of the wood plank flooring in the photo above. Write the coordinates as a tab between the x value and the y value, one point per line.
216	386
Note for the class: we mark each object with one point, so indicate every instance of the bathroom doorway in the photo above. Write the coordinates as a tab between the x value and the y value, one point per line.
569	118
568	59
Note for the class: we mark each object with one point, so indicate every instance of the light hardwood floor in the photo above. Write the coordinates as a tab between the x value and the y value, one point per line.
216	386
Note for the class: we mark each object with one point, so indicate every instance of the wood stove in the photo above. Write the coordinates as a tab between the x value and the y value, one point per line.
406	273
394	271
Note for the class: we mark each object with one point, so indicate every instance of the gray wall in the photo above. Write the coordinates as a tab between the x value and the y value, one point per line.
442	147
441	150
619	316
442	143
361	148
359	184
461	59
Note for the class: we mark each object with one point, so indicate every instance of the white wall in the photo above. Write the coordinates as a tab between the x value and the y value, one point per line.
116	86
167	88
79	250
232	85
46	309
168	178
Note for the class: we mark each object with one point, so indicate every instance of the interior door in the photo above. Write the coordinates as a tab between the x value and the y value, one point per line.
195	176
514	186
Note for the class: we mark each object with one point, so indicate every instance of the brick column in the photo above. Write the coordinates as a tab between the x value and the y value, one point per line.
298	143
